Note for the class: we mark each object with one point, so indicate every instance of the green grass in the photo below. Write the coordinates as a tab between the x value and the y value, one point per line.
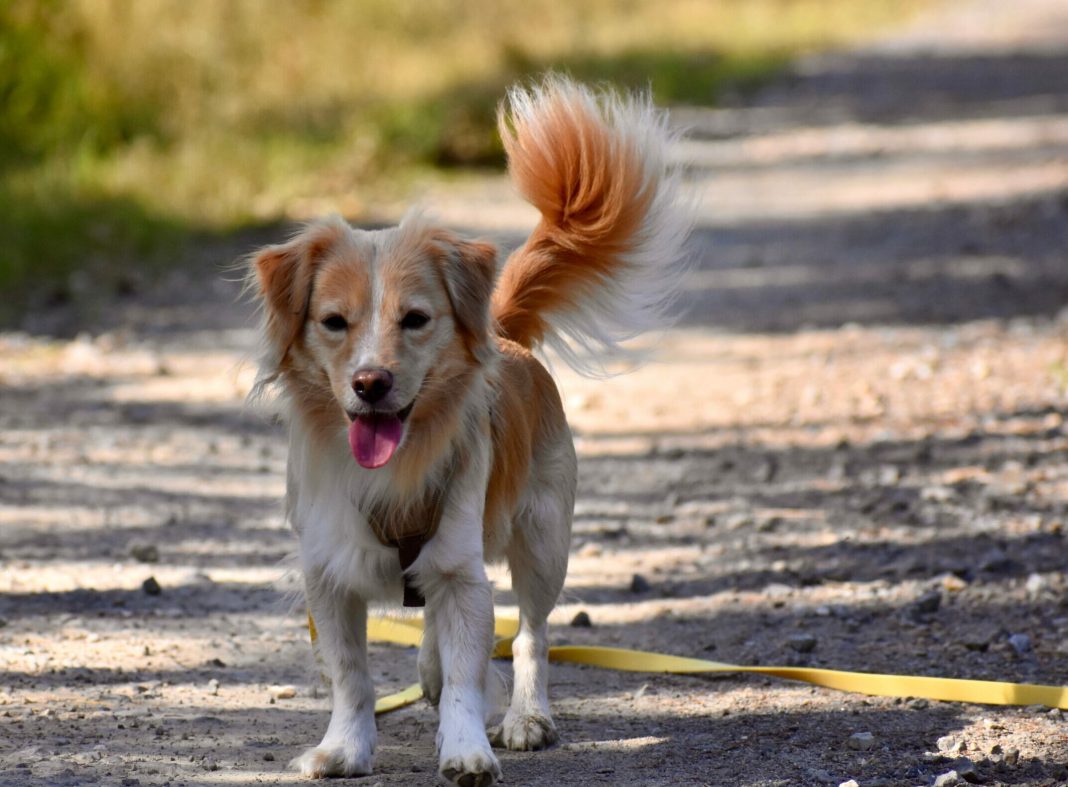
126	126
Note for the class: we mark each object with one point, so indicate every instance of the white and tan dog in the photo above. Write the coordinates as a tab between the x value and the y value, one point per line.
425	438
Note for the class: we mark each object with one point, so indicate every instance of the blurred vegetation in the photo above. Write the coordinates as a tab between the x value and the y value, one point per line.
125	123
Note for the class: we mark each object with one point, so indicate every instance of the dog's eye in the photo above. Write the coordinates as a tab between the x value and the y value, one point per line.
414	320
335	322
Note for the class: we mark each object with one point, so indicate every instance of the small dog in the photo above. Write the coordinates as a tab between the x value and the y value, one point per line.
424	436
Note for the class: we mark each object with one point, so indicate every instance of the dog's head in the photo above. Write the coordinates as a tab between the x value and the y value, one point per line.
376	329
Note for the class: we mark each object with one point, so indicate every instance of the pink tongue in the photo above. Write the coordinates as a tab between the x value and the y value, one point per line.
374	438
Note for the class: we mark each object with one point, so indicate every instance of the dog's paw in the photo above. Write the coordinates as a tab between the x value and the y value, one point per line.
477	768
525	732
323	761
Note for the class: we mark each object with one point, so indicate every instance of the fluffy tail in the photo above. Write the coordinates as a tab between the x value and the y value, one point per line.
606	261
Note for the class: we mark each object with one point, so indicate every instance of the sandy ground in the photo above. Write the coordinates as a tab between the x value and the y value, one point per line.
849	454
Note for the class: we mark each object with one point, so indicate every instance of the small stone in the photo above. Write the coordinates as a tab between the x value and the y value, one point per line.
1035	584
850	783
928	603
213	687
953	583
591	549
211	765
979	640
802	643
1021	643
639	584
966	769
284	692
918	704
151	587
948	779
1012	756
268	757
3	622
144	553
948	744
861	741
582	620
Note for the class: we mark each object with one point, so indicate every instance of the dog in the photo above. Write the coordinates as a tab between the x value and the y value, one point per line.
425	438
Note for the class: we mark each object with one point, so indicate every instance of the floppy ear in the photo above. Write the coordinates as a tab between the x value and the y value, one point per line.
283	276
470	271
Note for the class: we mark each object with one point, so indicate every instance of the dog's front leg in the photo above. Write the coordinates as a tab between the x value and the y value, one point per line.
461	605
340	617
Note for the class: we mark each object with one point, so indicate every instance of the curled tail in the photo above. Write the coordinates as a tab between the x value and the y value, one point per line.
606	261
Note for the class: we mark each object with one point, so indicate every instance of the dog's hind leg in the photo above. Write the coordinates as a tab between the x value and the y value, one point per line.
347	748
537	558
430	679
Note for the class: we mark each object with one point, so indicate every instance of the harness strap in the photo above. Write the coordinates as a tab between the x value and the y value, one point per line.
395	530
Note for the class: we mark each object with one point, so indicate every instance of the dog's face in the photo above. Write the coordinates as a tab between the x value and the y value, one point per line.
377	326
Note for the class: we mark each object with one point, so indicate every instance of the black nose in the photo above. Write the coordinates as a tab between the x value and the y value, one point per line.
372	384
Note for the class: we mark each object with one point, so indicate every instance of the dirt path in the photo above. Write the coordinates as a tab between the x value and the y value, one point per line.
859	464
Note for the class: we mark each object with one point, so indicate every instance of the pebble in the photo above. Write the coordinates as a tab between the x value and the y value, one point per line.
861	741
1012	756
948	779
151	587
268	757
639	584
582	620
918	704
928	603
1035	584
979	640
850	783
590	549
965	768
213	687
951	745
953	583
144	553
284	692
1021	643
211	765
802	643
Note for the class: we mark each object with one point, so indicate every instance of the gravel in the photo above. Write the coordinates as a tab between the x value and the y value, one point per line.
861	411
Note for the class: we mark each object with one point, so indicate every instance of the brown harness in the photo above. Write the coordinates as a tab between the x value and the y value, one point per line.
408	530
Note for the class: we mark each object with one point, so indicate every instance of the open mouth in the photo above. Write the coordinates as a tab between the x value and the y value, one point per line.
375	436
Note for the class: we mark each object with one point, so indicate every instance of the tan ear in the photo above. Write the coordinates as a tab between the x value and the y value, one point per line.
470	270
284	275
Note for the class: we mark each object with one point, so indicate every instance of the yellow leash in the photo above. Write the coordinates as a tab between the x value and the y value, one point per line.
409	631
